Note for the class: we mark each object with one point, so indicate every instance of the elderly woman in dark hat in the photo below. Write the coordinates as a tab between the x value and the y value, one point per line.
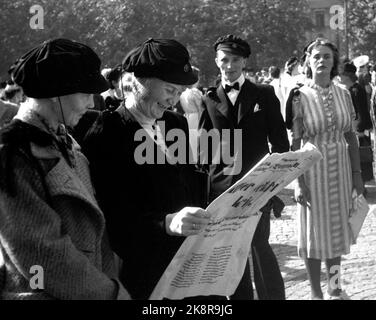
149	205
52	232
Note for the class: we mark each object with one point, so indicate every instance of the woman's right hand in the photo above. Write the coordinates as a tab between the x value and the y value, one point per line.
187	222
302	194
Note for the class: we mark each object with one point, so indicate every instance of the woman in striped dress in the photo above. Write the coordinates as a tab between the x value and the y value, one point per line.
323	114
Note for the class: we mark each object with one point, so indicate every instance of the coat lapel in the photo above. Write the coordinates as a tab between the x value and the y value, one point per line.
247	99
62	182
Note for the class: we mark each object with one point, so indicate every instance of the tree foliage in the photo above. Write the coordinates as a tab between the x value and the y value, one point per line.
362	27
275	29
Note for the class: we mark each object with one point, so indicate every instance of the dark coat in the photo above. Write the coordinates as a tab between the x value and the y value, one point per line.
360	101
136	198
257	113
258	117
50	218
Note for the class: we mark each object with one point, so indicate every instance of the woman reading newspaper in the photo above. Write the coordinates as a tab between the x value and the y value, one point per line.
149	202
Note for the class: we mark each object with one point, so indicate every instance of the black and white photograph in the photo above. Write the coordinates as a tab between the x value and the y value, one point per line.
188	154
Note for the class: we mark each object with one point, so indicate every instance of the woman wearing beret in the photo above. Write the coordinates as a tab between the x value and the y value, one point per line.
323	115
149	207
53	243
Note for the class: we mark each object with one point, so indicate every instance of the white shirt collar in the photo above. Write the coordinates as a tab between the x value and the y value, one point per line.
241	81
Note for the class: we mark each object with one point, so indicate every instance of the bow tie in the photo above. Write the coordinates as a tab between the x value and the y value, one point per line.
235	87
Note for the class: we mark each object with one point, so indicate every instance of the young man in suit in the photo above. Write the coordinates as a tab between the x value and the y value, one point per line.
237	103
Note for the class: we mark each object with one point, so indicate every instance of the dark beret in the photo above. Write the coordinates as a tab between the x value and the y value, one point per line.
349	68
58	67
234	45
165	59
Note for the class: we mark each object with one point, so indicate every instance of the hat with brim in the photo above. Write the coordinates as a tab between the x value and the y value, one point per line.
59	67
164	59
361	61
234	45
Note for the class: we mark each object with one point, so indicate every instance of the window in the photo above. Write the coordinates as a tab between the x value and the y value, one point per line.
320	19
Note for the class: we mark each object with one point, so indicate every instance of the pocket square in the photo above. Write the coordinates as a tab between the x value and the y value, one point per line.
257	108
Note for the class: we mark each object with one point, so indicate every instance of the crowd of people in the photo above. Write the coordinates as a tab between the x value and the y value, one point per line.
76	200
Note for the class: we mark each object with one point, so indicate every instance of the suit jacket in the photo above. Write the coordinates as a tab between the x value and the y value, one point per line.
259	118
50	218
137	197
360	101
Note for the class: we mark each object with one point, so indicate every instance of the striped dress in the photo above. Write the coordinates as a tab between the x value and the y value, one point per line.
322	116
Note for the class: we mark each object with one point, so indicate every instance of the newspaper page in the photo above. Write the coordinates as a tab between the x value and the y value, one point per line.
213	262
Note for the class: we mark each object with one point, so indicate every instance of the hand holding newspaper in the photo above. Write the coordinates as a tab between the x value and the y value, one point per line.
213	262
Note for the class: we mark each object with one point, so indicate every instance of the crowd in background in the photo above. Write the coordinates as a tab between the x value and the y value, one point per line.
357	75
133	90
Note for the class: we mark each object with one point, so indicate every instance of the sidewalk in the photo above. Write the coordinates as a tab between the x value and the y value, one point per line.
358	267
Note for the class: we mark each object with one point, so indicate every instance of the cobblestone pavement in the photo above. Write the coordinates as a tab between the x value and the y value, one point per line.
358	271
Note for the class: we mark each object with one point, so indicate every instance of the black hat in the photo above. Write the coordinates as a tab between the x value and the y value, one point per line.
349	68
234	45
58	67
164	59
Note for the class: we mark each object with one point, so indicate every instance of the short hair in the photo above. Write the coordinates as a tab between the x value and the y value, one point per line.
113	75
349	70
248	69
353	77
291	63
325	43
274	72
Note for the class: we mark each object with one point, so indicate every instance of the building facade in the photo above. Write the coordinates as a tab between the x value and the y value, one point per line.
329	22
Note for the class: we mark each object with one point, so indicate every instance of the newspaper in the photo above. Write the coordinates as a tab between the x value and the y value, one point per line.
213	262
